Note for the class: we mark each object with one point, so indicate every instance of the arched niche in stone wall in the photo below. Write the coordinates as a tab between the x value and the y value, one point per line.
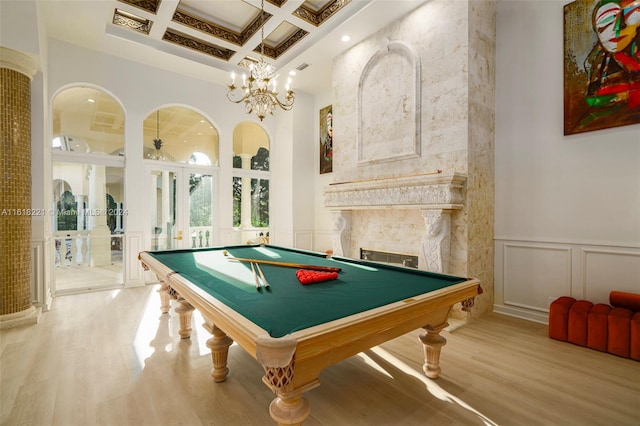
389	105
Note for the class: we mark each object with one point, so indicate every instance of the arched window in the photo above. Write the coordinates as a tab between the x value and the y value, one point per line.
180	134
251	180
86	119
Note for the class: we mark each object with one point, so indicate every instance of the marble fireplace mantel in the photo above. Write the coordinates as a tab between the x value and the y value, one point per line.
434	194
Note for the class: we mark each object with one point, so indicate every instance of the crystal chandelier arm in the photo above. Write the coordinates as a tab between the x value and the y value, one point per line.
287	104
236	95
256	92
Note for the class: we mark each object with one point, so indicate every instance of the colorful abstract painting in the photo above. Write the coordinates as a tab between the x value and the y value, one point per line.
601	64
326	140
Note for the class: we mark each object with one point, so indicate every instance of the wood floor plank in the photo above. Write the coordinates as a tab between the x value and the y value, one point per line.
111	358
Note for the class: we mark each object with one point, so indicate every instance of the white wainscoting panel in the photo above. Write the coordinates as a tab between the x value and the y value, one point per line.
534	273
529	275
322	241
607	269
304	240
133	268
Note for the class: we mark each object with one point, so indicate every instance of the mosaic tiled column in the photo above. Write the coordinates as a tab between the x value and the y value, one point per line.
16	71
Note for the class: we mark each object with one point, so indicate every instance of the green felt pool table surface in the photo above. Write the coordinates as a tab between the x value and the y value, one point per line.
288	306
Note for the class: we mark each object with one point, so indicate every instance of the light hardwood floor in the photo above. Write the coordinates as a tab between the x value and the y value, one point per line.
111	358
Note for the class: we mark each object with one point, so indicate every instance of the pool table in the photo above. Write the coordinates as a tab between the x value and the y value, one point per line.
295	330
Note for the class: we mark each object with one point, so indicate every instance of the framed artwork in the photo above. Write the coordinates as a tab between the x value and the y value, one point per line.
326	140
601	64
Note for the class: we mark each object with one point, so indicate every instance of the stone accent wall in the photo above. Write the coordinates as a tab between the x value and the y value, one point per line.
481	148
453	45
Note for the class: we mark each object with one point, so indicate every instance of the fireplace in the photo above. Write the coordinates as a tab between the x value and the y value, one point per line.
389	257
430	198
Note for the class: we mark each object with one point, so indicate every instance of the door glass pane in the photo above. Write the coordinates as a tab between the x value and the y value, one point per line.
163	210
88	221
200	210
237	201
260	203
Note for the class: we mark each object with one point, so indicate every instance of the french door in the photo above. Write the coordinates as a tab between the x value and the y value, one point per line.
182	206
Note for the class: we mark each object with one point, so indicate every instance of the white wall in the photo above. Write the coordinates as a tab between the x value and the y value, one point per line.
567	208
323	224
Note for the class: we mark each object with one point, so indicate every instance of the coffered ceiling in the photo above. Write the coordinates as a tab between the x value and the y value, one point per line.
207	39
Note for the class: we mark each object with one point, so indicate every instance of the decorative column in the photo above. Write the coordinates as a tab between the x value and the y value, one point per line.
166	210
341	234
81	212
153	210
245	209
16	71
436	244
99	232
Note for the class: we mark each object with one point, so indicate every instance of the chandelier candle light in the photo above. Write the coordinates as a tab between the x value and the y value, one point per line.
259	91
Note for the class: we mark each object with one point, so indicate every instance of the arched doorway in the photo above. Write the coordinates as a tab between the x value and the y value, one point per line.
181	161
251	179
88	190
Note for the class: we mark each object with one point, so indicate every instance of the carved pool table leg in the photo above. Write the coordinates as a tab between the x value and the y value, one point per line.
277	357
290	408
433	343
185	311
219	345
165	298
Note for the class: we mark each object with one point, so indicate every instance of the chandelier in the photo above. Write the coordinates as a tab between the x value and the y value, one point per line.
259	90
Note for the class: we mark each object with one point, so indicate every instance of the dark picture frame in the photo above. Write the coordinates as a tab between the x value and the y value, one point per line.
601	64
326	139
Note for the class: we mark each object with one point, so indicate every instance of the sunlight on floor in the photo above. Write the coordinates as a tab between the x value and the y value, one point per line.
153	331
156	331
371	363
113	294
431	385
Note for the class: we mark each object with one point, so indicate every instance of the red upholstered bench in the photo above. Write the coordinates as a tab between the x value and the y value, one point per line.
614	329
597	326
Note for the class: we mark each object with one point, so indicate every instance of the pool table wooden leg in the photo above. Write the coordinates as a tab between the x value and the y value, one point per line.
185	311
219	345
277	357
165	298
290	408
433	343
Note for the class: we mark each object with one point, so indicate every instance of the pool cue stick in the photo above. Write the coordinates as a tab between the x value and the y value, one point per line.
287	264
255	277
264	280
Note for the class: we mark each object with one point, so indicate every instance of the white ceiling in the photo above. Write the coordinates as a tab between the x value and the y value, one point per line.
90	24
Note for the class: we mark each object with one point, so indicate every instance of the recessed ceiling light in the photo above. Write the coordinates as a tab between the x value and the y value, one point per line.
345	38
91	100
292	72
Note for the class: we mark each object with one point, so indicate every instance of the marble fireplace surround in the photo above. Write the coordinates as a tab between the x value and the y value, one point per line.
435	194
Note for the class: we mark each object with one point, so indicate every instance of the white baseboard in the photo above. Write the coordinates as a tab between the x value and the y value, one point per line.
535	316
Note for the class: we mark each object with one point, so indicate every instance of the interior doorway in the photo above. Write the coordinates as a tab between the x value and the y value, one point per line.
88	226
